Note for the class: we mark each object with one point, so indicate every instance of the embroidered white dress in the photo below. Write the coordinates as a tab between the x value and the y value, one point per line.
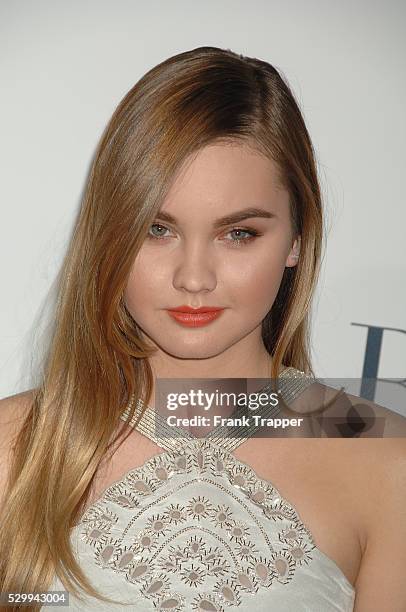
195	529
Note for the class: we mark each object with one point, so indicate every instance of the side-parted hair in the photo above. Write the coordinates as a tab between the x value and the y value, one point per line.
96	360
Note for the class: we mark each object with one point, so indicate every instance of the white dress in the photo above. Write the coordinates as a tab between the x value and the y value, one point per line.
196	529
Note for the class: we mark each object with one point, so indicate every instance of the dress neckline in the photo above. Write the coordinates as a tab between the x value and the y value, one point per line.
153	425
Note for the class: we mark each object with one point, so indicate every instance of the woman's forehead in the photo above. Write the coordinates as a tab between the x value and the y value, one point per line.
226	178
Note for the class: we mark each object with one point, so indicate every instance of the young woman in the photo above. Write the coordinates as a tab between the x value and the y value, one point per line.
203	195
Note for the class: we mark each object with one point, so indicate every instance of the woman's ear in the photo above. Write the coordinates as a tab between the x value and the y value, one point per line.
294	253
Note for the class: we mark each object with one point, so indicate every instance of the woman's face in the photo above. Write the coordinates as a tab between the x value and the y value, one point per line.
191	260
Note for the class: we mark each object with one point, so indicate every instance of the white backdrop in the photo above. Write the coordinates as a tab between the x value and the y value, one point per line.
66	65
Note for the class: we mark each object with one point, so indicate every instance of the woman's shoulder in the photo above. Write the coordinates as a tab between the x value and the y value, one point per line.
363	445
369	479
13	411
339	414
376	477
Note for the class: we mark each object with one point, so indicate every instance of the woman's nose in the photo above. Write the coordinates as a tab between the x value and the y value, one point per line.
195	269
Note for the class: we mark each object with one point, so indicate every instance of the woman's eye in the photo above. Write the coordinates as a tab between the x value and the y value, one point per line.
159	235
237	231
251	235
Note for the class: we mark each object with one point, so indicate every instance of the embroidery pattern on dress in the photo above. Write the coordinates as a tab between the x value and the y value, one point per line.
219	559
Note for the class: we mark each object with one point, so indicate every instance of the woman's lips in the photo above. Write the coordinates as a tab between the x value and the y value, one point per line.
189	319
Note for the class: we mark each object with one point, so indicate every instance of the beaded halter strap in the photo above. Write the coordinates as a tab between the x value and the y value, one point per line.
291	383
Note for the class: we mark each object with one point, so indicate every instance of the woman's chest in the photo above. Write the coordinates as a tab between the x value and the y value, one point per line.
318	478
304	474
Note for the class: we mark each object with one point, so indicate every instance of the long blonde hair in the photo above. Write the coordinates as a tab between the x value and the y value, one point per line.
96	359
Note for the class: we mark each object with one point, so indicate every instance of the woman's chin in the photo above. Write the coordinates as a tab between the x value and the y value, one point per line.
181	351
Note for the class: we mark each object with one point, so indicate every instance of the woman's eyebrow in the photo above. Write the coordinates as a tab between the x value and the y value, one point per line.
240	215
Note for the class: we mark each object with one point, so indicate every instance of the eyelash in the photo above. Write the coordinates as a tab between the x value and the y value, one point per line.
234	243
